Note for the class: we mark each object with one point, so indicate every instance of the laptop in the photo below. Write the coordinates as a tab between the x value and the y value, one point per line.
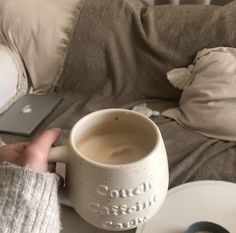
27	113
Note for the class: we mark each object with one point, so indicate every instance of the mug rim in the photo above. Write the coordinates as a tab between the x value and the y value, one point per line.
105	165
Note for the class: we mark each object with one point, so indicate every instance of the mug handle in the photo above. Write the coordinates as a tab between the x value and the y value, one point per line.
60	154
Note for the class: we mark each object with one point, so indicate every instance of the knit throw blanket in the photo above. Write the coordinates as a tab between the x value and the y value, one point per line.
119	55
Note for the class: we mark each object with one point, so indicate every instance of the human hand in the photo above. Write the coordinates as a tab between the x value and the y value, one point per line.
33	154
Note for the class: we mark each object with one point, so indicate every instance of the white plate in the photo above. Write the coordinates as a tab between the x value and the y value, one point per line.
213	201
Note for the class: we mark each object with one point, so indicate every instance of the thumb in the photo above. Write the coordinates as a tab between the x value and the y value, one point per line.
37	151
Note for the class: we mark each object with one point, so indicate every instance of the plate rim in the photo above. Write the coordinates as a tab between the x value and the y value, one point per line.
186	186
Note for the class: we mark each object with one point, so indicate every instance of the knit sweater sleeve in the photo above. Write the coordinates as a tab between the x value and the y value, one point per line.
28	201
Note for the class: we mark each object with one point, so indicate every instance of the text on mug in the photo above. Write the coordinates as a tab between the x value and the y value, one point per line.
119	226
104	190
121	209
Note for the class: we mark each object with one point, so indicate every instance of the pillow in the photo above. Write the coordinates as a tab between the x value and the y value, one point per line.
208	103
39	32
13	81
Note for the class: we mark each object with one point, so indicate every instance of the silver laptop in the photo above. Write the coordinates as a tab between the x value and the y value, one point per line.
25	115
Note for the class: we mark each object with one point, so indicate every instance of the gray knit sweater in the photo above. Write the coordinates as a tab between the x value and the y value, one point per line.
28	201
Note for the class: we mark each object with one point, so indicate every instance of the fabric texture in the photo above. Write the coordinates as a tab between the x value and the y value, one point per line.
130	54
123	61
39	31
208	103
180	77
206	2
28	201
119	55
11	69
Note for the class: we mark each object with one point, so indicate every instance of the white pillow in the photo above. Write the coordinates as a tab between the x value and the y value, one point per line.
208	103
13	82
39	31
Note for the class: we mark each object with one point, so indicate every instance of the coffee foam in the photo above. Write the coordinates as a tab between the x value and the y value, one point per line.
115	147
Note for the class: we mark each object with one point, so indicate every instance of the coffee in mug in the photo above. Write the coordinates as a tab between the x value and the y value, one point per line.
115	147
116	169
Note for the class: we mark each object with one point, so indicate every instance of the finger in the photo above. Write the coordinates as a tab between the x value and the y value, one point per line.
41	145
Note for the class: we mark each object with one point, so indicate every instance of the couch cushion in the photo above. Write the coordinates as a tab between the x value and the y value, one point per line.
208	103
39	32
13	81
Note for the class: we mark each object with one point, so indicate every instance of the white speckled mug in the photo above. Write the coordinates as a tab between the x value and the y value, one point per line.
125	188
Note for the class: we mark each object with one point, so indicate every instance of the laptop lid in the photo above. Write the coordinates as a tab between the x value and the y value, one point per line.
27	113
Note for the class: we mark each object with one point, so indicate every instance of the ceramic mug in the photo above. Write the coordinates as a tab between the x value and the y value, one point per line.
125	191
